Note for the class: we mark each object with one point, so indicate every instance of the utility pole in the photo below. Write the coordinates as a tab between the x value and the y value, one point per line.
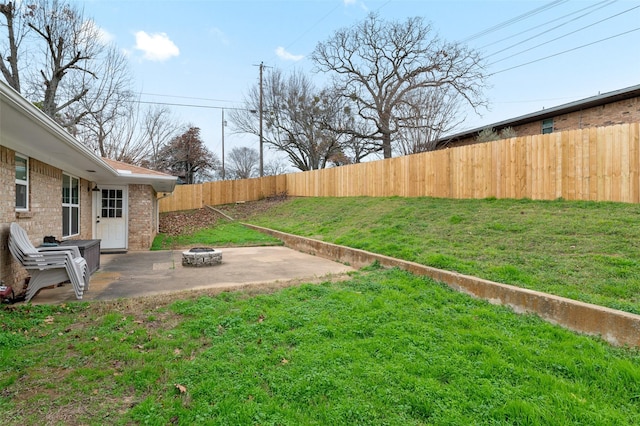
261	149
222	125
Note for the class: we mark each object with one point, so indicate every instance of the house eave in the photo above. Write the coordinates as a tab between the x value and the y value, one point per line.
160	184
49	143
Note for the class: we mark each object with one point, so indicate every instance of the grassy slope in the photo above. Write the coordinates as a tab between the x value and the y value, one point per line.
224	234
581	250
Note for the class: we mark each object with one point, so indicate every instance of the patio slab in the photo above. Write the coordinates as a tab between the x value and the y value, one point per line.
147	273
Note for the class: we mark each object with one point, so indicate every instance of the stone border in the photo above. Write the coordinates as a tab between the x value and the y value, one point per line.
201	258
616	327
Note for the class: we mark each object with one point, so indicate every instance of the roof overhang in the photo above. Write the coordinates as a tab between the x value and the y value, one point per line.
159	183
27	130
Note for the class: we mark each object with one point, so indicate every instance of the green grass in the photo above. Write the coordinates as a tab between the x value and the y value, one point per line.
383	347
586	251
224	234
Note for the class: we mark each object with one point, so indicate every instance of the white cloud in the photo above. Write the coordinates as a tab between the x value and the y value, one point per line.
348	2
283	54
104	36
156	47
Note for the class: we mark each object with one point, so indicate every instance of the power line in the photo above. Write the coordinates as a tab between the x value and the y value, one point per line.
566	51
550	22
550	29
514	20
312	27
188	97
477	35
565	35
193	106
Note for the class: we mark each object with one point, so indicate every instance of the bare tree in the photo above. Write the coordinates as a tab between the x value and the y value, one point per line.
187	156
430	114
295	117
243	162
354	147
275	167
10	43
159	127
71	43
108	111
79	80
379	64
59	49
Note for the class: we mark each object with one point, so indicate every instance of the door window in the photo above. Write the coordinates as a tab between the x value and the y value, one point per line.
112	203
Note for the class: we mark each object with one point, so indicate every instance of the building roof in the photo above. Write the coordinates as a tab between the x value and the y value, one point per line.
130	168
27	130
600	99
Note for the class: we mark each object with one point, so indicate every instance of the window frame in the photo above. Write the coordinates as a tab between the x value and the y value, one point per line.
71	205
22	182
547	126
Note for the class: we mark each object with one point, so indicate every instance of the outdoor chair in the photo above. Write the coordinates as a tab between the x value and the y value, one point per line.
48	265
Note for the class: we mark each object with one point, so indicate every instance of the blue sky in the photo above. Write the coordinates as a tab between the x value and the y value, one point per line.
206	52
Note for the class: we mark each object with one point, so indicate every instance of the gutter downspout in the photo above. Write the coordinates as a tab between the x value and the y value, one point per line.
158	210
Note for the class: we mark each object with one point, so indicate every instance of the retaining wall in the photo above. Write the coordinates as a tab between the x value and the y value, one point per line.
616	327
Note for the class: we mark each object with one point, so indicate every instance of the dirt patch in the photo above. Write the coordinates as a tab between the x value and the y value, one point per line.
242	211
189	221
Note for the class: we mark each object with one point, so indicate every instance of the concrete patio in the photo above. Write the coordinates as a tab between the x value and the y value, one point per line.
146	273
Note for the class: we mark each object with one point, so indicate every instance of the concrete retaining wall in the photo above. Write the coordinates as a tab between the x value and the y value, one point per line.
616	327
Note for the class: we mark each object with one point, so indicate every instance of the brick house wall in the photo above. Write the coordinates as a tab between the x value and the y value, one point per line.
625	111
142	216
7	211
45	211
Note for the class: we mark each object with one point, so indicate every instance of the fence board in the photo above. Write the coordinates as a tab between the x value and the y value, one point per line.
600	164
634	163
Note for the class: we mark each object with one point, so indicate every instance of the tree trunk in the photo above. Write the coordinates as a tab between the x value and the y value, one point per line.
385	120
386	144
11	73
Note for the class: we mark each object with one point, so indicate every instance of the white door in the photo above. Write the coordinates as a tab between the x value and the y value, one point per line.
111	217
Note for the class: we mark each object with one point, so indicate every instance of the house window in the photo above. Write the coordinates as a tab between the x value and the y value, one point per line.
70	205
547	126
22	182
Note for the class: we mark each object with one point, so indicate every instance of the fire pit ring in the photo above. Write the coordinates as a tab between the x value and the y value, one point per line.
201	256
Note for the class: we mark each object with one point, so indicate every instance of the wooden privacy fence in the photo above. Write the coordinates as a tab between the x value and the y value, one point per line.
599	164
188	197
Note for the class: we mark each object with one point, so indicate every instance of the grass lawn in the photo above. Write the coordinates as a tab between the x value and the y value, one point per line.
383	347
581	250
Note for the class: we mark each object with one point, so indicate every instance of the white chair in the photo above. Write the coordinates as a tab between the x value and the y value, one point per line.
48	265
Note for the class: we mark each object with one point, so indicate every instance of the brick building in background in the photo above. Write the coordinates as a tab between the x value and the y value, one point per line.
617	107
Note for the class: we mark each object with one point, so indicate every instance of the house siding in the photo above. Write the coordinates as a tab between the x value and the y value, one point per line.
44	216
620	112
8	271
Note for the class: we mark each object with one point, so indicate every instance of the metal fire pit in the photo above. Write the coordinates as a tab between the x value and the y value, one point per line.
201	256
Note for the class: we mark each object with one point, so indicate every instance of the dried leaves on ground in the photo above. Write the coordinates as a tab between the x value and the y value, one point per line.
189	221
